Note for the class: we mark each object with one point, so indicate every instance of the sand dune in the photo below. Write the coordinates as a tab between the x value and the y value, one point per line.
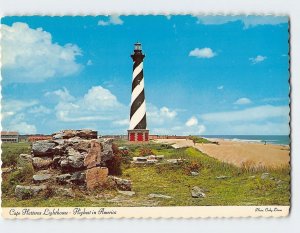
239	153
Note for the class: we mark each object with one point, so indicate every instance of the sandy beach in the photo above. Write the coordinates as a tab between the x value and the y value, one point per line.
239	153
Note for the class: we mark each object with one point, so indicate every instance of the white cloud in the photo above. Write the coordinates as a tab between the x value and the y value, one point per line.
98	104
39	110
14	112
18	123
263	112
29	55
159	116
61	94
23	128
192	121
11	107
248	21
89	62
220	87
243	101
202	53
257	59
166	121
112	20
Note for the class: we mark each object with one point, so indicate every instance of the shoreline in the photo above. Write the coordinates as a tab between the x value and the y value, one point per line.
247	140
239	153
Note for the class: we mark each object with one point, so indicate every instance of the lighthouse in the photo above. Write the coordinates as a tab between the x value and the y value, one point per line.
137	131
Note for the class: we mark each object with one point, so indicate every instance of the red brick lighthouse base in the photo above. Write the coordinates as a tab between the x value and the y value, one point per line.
138	135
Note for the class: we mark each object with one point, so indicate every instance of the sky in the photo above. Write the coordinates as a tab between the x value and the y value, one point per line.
204	75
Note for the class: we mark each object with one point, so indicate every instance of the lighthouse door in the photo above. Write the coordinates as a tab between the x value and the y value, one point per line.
140	137
132	136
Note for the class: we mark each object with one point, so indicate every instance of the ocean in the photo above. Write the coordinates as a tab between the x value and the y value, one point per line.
269	139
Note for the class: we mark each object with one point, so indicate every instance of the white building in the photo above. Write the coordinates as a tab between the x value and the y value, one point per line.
9	136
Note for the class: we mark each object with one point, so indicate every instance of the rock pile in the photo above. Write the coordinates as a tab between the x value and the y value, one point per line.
72	158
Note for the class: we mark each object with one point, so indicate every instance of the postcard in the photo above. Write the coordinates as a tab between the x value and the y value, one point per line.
145	116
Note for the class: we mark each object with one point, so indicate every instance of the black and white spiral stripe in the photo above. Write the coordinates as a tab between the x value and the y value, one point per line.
138	104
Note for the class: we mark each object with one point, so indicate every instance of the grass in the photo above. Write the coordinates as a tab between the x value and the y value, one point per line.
197	139
11	151
243	186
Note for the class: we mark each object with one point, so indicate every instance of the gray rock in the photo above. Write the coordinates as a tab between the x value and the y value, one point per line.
140	159
25	157
63	179
197	192
222	177
127	193
154	195
43	148
265	176
41	177
194	173
152	161
159	157
76	161
65	192
56	160
41	162
107	152
82	145
84	134
27	192
64	163
121	184
175	161
78	178
58	135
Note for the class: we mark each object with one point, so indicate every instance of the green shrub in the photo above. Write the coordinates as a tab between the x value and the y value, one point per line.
21	175
196	139
192	166
145	151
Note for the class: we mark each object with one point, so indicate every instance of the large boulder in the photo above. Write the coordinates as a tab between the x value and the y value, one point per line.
82	145
120	184
39	178
74	160
93	157
25	157
26	192
96	177
107	151
43	148
84	134
63	179
41	162
78	178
